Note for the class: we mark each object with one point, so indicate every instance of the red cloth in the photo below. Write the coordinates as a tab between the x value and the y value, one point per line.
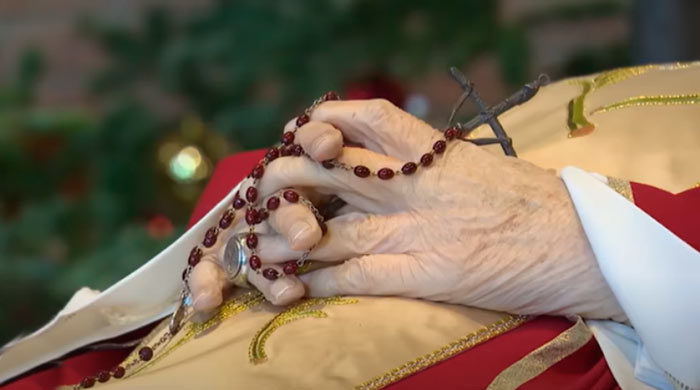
679	213
471	369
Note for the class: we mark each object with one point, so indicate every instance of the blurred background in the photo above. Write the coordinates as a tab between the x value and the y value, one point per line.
113	113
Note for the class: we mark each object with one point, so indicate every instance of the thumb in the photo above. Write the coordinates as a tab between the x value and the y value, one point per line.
381	274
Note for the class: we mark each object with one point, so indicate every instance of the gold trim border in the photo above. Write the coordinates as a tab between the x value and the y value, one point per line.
542	358
622	187
462	344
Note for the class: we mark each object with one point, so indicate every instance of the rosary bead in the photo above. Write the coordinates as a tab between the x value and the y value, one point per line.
251	216
251	240
145	353
385	173
288	138
409	168
226	219
118	372
361	171
451	133
254	262
297	150
291	196
270	273
302	120
210	238
195	256
328	164
426	159
103	376
273	203
258	171
251	194
290	267
238	203
272	154
262	215
439	146
87	382
285	151
330	95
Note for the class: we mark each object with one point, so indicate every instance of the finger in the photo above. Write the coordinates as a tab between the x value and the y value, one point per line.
303	172
379	126
386	274
282	291
296	223
350	235
206	282
320	140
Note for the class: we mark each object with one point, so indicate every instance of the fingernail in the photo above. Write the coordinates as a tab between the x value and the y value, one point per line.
280	287
297	230
206	300
321	143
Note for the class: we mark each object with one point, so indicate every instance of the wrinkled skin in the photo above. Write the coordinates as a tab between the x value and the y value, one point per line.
474	228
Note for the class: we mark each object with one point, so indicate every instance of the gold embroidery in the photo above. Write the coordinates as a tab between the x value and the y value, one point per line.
449	350
304	309
544	357
229	309
654	100
578	124
622	187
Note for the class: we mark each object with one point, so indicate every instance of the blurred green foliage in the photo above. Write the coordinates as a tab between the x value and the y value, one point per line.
77	189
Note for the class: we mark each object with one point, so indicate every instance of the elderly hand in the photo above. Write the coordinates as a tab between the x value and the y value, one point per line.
472	228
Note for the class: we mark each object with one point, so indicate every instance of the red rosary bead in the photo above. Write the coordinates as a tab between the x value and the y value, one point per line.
254	262
287	138
103	376
262	215
251	194
452	133
302	120
226	219
251	216
439	146
210	238
118	372
409	168
273	203
258	171
285	151
385	173
87	382
272	154
145	353
251	240
238	203
330	95
297	150
290	267
195	256
291	196
361	171
270	273
426	159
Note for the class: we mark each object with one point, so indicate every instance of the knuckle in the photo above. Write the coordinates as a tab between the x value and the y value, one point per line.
378	110
354	277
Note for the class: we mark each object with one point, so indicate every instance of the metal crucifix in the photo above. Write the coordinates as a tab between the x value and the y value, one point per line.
490	114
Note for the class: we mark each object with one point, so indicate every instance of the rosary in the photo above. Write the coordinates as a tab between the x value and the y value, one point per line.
236	263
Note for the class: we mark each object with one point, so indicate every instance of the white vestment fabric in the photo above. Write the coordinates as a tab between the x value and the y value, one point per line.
147	294
655	277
